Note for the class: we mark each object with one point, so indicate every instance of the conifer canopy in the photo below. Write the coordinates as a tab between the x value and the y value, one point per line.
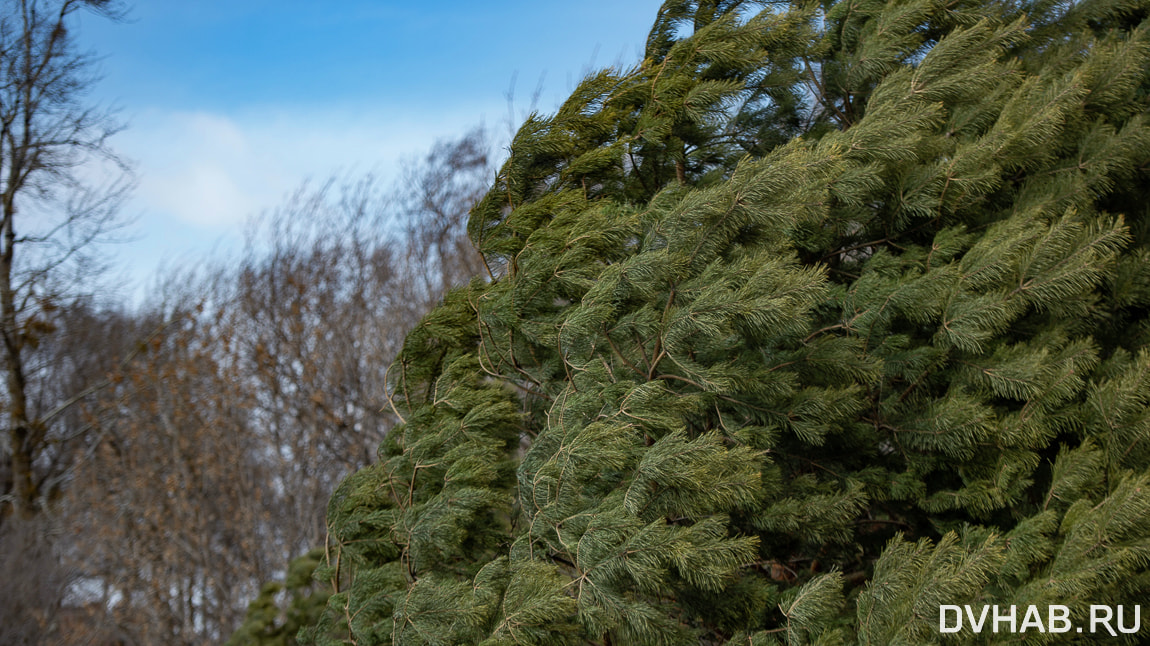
821	316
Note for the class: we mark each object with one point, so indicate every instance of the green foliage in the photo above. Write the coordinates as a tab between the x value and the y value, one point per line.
282	608
820	317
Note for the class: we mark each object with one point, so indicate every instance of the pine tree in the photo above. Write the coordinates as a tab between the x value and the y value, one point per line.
820	317
266	624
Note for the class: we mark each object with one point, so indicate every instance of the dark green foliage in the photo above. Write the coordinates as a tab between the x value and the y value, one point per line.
301	598
820	317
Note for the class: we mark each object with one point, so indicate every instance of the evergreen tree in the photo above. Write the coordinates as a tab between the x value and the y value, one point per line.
820	317
266	624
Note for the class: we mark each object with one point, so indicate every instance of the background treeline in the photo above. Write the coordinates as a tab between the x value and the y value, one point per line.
199	434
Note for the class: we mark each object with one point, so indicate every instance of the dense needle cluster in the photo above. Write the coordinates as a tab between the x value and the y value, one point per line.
821	316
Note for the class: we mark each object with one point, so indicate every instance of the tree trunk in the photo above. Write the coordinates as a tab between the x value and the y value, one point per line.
23	485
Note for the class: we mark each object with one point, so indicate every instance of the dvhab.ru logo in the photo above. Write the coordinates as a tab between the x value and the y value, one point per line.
1104	620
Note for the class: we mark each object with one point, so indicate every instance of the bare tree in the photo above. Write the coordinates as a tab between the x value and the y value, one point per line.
32	583
51	143
60	186
314	315
346	271
435	196
38	567
172	502
214	452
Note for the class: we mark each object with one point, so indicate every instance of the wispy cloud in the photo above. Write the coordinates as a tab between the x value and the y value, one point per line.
213	171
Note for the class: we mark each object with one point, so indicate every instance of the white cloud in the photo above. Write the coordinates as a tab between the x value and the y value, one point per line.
203	194
214	171
202	175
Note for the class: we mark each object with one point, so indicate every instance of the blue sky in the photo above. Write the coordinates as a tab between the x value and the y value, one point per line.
231	105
